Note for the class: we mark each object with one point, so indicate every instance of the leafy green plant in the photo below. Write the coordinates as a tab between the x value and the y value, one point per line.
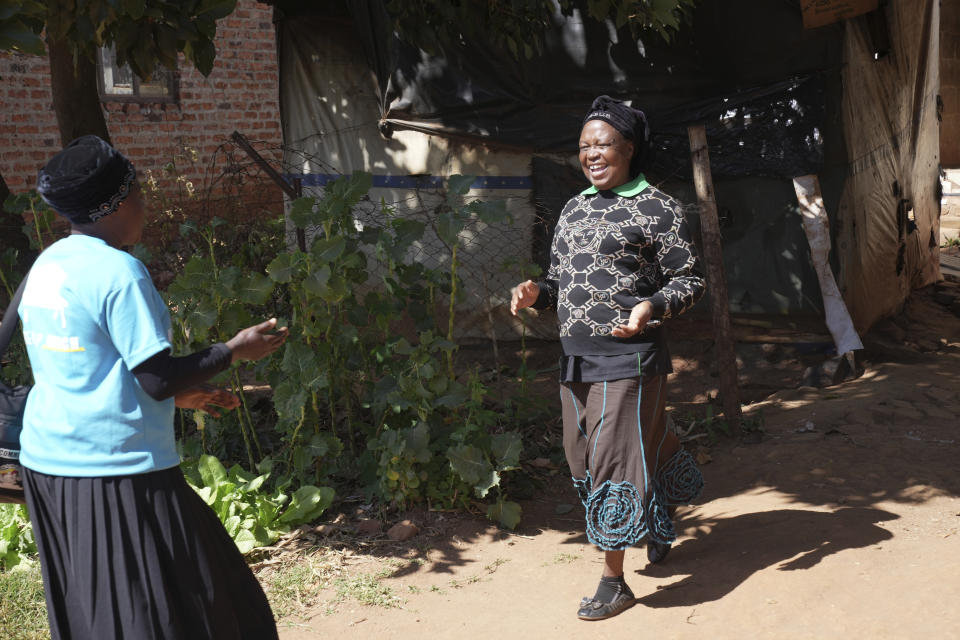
210	302
16	537
40	228
39	232
348	373
369	369
253	515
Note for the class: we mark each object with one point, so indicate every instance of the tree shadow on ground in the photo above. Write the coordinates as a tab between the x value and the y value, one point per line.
711	566
887	439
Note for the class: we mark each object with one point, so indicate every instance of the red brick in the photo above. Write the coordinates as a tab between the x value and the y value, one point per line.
28	130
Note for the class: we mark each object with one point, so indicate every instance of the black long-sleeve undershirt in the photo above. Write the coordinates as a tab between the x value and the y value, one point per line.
163	376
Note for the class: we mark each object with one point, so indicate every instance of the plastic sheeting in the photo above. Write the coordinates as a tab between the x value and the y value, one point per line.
778	101
746	68
817	228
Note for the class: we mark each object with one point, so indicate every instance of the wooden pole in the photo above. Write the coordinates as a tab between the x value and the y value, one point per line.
716	279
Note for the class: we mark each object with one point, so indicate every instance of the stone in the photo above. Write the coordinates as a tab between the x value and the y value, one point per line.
368	527
541	463
403	531
326	530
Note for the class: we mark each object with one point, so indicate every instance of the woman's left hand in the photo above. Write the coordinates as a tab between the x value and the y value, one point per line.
206	398
639	317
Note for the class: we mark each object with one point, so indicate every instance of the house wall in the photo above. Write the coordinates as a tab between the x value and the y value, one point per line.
888	214
950	83
240	94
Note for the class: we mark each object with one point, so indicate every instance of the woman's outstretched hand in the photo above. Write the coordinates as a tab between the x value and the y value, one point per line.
524	295
207	398
257	341
639	317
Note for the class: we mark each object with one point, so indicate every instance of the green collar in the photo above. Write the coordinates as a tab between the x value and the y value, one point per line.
628	189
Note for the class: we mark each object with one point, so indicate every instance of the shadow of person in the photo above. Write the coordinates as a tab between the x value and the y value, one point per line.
730	550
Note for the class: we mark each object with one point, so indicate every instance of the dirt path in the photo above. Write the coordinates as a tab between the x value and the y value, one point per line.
842	522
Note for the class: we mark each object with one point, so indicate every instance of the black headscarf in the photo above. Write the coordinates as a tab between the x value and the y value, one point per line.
629	122
87	180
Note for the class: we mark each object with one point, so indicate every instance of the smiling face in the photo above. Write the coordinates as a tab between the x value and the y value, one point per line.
604	155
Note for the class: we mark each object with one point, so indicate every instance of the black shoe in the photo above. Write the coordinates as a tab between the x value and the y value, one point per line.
657	551
593	609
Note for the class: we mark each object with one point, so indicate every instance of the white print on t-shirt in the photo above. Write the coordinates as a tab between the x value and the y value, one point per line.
43	292
69	344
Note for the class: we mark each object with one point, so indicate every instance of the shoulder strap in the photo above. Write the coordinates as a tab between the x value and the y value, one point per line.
10	318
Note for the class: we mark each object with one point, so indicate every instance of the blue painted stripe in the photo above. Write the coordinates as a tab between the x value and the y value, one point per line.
663	438
573	399
643	453
603	415
416	182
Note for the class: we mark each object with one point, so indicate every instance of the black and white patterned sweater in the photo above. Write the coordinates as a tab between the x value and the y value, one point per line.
610	251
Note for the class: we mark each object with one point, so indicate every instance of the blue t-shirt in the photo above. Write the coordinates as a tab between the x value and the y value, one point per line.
90	314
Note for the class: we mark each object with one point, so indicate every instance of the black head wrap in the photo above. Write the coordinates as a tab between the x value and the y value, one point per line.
86	181
629	122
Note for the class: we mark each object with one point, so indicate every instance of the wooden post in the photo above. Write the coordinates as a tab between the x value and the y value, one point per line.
716	279
293	191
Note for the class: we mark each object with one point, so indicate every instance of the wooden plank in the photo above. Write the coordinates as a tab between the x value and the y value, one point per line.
716	278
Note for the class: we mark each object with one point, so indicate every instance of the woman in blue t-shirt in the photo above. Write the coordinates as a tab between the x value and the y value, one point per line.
127	548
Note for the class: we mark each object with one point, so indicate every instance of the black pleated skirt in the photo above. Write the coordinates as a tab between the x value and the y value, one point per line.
140	556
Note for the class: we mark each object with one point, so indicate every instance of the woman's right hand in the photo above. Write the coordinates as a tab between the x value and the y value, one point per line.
257	341
524	295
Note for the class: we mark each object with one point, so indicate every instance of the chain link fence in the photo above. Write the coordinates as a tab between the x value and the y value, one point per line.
238	188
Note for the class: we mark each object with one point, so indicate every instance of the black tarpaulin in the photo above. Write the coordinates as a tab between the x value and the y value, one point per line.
746	68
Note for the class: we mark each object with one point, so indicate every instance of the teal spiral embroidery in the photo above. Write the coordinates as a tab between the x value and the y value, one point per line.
679	480
615	516
618	517
661	527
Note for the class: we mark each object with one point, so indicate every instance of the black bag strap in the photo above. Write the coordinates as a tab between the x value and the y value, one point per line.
10	318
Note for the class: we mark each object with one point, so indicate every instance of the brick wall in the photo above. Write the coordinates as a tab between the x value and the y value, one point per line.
950	83
240	94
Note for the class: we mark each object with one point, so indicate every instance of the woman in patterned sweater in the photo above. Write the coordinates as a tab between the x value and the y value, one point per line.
621	264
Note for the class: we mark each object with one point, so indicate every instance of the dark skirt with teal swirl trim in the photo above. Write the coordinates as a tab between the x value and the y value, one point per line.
614	436
618	516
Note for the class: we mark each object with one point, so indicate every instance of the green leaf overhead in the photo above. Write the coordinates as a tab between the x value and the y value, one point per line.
145	33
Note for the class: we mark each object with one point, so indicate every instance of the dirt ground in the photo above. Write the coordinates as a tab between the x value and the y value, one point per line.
840	520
